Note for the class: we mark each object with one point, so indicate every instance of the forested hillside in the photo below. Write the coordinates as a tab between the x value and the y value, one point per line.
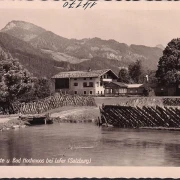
44	53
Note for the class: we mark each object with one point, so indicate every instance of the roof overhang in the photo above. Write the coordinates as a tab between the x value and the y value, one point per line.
110	71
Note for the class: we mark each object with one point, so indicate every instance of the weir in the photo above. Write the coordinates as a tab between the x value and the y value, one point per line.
37	119
140	117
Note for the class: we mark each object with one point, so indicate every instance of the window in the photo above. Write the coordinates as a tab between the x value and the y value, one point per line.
101	92
91	78
90	84
84	92
98	92
75	92
75	84
75	78
100	83
97	84
90	92
84	78
84	84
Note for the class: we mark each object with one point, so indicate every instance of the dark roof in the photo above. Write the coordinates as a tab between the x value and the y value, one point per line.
120	84
83	74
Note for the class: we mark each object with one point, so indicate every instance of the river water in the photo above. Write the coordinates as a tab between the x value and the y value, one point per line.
63	144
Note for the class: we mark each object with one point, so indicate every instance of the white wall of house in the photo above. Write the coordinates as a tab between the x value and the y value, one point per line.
99	87
76	85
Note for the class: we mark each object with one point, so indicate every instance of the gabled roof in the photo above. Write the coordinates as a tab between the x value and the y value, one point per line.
83	74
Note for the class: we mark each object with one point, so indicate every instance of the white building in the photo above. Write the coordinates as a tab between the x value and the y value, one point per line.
89	82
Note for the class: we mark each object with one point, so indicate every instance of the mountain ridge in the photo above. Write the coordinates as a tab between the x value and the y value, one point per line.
75	54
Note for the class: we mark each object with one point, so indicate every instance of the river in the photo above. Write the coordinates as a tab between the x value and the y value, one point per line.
63	144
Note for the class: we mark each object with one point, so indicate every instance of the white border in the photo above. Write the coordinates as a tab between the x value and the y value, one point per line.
95	171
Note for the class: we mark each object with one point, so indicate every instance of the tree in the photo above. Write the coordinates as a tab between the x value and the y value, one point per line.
152	76
169	64
136	72
123	76
148	91
14	80
42	88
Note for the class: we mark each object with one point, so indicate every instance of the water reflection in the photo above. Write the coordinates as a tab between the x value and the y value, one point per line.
104	146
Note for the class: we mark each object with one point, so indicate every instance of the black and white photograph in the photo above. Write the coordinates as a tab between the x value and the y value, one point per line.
89	86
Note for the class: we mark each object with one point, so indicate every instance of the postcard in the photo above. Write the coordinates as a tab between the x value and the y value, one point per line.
89	89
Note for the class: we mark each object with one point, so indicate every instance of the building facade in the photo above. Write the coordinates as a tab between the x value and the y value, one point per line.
91	82
115	89
122	89
135	89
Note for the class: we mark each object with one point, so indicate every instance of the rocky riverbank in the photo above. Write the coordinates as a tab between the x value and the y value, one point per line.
68	114
11	123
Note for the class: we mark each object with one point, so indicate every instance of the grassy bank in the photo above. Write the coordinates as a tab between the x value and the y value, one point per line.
75	114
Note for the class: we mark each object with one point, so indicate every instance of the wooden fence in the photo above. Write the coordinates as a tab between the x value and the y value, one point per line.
53	102
171	101
137	117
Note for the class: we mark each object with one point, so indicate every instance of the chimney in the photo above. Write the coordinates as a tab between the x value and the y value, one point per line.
147	78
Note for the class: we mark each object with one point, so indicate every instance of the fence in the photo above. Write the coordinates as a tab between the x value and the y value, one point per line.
53	102
136	117
171	101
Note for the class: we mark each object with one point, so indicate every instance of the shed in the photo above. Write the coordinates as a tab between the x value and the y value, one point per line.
115	88
135	89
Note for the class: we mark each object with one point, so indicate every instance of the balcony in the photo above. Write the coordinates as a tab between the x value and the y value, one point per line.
106	80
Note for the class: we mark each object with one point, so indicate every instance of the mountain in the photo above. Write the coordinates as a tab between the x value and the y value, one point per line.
23	30
86	49
45	53
31	58
160	46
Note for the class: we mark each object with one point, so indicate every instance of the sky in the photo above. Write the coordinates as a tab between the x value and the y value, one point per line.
145	27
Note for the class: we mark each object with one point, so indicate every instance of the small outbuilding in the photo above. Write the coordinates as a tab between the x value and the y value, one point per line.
122	89
115	88
135	89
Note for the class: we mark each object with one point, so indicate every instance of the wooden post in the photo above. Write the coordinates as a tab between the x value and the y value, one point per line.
99	122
